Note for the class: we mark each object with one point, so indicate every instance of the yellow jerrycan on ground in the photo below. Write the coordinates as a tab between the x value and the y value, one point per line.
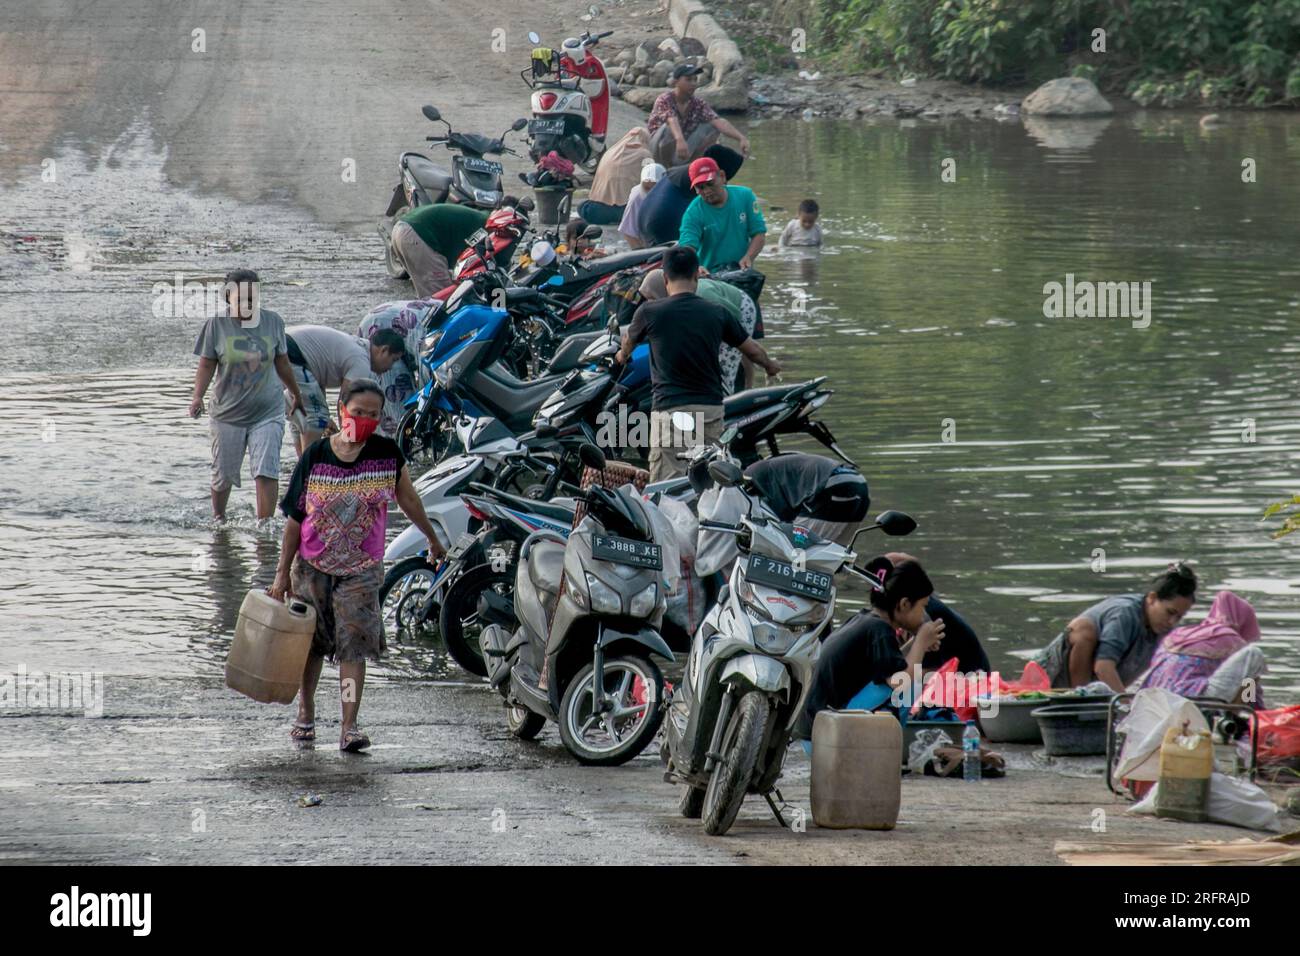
272	640
1186	762
856	772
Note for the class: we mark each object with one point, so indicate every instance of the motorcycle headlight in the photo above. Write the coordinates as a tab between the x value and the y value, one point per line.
643	605
604	599
774	639
487	196
431	342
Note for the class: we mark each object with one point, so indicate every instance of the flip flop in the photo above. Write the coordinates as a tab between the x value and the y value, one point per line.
303	731
354	741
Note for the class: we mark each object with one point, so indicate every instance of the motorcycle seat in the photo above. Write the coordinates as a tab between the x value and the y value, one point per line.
569	354
753	399
551	510
620	260
511	398
435	179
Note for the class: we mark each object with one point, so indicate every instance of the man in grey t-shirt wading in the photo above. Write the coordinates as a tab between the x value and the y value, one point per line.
1113	640
245	351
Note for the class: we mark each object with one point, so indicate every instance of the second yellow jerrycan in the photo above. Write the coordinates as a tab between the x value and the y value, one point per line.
856	771
272	641
1186	762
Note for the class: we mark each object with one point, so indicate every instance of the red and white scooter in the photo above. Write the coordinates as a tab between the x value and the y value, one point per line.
570	100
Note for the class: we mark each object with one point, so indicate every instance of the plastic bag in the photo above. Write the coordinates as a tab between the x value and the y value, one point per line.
1279	734
1154	710
1236	802
717	550
684	524
940	690
923	747
1032	678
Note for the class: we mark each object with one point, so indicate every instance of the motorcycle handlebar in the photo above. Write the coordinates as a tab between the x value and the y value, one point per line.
707	525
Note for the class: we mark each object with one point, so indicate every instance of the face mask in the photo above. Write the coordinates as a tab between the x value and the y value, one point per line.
355	428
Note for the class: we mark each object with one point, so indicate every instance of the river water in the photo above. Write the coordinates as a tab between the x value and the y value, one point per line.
1049	461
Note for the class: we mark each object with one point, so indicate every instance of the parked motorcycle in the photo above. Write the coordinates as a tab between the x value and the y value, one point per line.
570	101
473	180
589	611
752	659
527	464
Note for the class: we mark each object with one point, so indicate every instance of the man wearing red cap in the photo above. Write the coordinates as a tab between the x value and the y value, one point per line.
722	223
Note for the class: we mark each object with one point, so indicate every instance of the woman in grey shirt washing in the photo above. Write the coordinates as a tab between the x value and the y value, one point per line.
1113	641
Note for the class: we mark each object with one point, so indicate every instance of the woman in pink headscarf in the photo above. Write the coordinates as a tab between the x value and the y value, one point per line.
1215	657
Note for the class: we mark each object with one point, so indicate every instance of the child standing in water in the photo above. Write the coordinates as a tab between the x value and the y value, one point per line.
804	230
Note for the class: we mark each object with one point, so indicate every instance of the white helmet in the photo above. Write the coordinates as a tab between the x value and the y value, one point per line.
574	49
542	253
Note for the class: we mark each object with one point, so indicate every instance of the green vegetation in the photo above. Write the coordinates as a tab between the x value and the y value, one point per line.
1158	52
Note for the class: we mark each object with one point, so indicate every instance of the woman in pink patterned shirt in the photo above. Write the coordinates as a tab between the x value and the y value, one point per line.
333	551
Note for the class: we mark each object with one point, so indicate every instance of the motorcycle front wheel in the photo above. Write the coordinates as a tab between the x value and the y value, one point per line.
731	776
413	575
427	442
636	688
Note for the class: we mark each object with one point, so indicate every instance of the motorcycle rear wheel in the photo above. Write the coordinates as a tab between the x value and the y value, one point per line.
458	619
692	802
523	723
740	748
392	261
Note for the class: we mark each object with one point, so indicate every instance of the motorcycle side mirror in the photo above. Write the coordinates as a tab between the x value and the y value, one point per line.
591	456
526	204
593	232
727	474
533	38
612	327
728	435
895	523
518	124
431	113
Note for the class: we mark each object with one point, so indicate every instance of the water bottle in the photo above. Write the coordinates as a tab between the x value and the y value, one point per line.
970	753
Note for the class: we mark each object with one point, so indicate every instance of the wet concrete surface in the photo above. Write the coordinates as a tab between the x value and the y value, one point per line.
185	771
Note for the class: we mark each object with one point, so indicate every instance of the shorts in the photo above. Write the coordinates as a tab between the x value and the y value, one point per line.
230	442
665	452
349	627
313	400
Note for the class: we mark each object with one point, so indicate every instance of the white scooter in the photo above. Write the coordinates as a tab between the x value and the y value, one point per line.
752	659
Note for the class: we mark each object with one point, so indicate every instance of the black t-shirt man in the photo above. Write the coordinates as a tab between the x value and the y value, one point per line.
685	333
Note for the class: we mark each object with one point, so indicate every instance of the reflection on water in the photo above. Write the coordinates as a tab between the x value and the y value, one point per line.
1079	443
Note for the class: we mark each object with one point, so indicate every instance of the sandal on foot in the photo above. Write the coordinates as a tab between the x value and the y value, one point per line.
354	741
303	731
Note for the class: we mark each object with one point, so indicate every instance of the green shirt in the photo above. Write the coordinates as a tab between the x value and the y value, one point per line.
723	294
721	234
445	226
